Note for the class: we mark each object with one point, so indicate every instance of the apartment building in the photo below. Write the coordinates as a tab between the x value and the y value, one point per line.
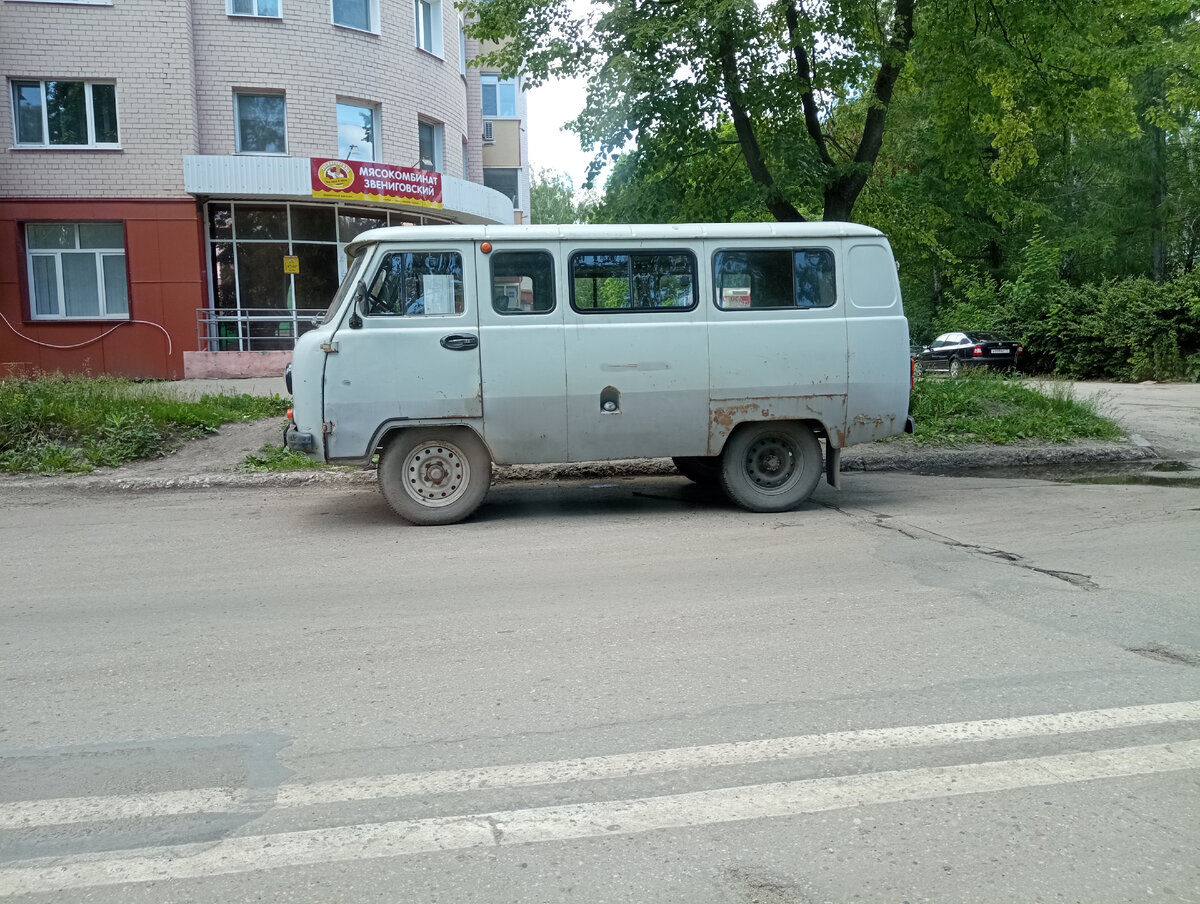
180	177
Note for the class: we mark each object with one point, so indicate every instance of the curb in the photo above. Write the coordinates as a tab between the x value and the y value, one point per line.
881	457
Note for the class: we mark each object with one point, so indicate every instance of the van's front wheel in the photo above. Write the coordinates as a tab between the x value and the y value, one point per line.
435	475
771	467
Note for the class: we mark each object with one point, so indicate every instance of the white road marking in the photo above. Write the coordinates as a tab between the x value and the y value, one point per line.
588	820
63	811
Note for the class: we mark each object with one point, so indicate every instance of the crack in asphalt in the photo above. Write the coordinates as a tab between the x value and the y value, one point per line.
878	519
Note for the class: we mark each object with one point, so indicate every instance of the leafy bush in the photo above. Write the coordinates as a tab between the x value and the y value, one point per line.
1123	330
1132	329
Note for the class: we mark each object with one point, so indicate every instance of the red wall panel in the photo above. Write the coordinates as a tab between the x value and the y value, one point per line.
163	258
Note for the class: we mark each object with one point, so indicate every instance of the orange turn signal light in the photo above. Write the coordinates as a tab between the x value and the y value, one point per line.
486	247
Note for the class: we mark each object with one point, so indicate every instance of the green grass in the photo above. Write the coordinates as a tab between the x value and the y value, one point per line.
277	458
55	423
987	408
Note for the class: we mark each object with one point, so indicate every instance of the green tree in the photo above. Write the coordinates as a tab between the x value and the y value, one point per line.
552	199
666	71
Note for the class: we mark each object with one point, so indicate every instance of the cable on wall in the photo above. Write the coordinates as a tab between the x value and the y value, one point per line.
170	346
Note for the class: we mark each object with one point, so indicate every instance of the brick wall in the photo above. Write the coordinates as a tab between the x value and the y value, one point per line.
176	65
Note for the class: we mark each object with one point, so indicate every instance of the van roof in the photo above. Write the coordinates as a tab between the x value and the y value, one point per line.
611	232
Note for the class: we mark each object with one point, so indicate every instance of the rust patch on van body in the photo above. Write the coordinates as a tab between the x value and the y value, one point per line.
826	409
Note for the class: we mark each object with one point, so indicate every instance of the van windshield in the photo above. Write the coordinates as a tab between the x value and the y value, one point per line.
347	287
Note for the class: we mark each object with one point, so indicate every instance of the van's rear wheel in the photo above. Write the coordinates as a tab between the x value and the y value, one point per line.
771	467
432	475
701	469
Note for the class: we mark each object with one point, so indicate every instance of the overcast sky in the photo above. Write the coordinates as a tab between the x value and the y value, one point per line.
550	146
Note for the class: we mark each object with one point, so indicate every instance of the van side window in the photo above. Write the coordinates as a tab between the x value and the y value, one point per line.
604	281
522	282
410	283
775	278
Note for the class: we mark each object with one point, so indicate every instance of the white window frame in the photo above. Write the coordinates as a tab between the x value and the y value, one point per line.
373	109
255	10
439	134
491	78
89	111
372	17
100	254
237	123
429	38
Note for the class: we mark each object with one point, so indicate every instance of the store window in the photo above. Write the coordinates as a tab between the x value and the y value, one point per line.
357	128
76	270
275	267
261	123
499	96
62	114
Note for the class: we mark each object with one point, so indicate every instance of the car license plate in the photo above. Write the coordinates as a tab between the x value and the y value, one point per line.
1001	351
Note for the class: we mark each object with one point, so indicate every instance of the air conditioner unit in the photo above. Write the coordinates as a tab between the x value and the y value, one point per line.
487	131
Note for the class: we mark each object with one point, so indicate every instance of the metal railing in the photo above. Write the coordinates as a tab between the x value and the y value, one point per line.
253	329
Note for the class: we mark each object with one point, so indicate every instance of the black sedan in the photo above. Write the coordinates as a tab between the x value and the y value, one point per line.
950	352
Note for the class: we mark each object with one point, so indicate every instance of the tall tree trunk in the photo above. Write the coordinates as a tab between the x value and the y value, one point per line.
848	182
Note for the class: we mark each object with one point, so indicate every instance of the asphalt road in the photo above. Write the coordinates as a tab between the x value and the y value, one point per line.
914	689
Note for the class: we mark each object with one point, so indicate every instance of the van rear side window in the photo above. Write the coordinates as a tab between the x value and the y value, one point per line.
412	283
522	282
774	278
612	281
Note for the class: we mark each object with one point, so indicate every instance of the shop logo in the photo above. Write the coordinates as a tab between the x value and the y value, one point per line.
336	175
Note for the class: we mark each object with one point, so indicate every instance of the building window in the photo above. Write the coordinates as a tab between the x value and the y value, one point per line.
504	181
774	278
360	14
429	136
65	114
633	281
356	128
499	96
261	123
77	270
266	9
429	26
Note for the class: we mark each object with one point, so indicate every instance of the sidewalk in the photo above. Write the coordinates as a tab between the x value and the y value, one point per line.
213	461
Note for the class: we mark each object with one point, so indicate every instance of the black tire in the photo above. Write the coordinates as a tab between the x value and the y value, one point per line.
702	469
435	475
954	367
771	466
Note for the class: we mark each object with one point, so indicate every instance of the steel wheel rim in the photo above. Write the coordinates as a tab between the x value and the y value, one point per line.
436	474
771	463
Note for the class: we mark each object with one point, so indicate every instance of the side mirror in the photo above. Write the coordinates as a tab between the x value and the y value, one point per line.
360	295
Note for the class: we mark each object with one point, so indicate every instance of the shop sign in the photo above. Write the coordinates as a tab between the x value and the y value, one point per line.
360	180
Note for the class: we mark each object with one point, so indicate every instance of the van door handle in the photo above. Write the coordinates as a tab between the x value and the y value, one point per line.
460	342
